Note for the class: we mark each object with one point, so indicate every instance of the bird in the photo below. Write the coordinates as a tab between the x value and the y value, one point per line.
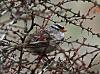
47	40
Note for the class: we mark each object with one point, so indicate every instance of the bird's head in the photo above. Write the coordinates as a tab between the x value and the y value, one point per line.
59	27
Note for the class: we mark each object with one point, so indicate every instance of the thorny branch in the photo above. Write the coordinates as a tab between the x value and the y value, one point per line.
15	54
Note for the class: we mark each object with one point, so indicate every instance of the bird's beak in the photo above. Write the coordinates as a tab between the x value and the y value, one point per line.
97	10
63	30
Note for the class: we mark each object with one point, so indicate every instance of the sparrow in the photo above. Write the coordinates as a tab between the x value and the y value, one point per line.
46	41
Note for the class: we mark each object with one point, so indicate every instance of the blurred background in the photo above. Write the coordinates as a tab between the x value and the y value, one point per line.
72	30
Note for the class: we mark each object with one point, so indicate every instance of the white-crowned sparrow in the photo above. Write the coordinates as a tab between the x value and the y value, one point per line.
47	40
